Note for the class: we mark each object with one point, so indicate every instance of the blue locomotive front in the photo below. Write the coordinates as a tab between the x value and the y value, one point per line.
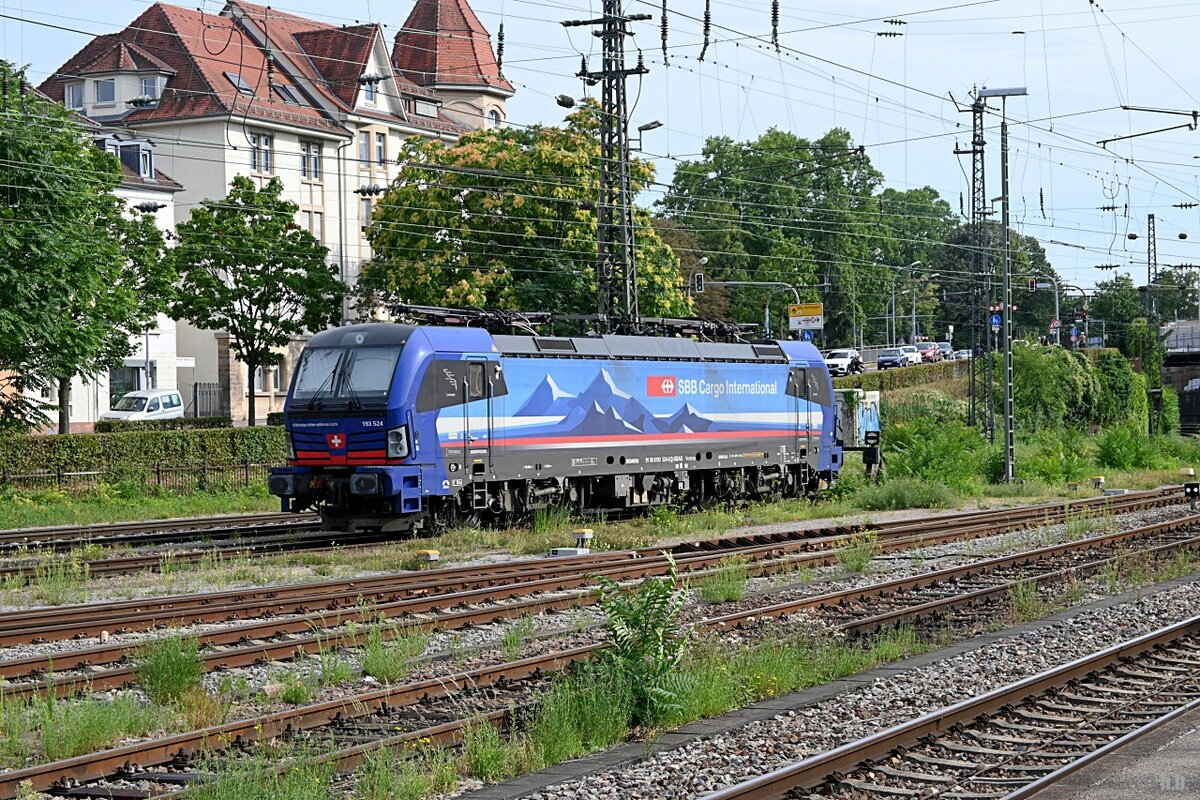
396	427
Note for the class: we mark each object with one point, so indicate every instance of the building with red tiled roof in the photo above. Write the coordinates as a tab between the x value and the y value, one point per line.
259	92
444	47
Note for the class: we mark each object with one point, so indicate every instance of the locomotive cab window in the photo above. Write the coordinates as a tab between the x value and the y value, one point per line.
810	384
350	378
475	382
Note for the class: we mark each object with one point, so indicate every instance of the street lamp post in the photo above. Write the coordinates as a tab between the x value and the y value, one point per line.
1009	438
910	268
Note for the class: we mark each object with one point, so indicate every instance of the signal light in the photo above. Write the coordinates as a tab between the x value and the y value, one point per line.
698	283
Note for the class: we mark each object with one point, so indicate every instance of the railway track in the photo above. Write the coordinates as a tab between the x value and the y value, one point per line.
490	689
79	621
142	532
473	596
279	533
1013	741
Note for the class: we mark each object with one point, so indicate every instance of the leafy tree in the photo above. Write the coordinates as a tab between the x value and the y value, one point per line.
506	217
960	276
1118	303
784	209
245	267
914	224
78	276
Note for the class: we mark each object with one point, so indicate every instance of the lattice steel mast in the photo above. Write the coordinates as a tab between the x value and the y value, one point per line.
616	264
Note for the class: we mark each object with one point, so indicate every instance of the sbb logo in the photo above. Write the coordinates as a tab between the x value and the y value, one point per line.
660	386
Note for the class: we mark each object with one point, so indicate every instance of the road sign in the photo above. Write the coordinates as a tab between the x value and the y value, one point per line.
996	321
1055	324
806	335
806	316
1074	331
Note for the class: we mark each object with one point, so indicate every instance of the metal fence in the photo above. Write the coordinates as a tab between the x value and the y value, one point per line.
207	400
205	477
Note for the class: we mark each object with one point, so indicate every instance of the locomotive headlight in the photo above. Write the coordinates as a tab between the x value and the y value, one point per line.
397	442
291	448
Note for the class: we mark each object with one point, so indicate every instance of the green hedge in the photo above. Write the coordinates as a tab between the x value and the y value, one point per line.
177	424
916	375
275	418
136	453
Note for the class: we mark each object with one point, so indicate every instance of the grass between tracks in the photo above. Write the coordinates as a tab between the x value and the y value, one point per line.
123	503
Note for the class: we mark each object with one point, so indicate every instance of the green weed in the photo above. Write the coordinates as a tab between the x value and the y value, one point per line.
389	660
485	754
515	635
728	583
60	579
1025	602
168	668
387	775
896	494
70	729
856	555
551	519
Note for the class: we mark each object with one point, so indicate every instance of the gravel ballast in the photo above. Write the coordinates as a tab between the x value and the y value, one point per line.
893	695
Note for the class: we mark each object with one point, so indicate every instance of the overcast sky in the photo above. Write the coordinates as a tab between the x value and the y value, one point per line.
1080	60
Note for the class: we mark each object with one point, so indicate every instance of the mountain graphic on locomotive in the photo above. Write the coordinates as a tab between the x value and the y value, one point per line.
421	427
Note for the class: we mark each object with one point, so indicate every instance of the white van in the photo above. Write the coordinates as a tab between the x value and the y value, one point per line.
147	404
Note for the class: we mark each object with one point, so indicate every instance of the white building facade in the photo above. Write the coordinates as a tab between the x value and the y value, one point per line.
263	93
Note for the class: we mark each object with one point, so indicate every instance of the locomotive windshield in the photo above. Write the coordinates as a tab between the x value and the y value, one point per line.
349	378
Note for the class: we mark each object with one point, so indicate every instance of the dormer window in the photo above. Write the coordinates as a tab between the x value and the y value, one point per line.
240	84
150	87
146	164
74	96
426	109
285	94
106	91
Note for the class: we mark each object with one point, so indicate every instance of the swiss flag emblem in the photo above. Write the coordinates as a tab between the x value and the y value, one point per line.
660	386
337	441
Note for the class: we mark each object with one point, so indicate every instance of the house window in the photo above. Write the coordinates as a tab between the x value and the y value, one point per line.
266	379
106	91
310	161
425	109
150	88
75	95
314	223
493	119
369	91
364	148
380	147
240	84
285	94
261	146
365	212
146	163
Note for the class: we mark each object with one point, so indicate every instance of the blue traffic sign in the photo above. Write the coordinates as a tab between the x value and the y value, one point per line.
806	335
1074	331
996	319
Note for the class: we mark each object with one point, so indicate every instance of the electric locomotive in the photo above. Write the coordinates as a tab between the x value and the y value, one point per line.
418	427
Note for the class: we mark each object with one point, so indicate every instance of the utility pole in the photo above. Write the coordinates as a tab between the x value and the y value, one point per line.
1006	319
1151	268
616	265
978	250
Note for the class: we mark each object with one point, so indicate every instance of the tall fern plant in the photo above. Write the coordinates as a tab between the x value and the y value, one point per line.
647	643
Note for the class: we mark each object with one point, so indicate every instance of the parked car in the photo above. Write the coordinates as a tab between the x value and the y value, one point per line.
930	352
891	358
946	348
911	353
147	404
843	362
962	355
